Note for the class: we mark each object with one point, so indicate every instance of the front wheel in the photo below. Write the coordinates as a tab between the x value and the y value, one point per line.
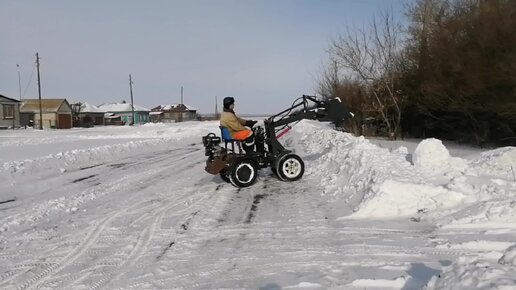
290	167
243	173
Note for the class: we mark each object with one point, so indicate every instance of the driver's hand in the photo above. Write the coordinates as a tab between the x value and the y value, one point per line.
251	123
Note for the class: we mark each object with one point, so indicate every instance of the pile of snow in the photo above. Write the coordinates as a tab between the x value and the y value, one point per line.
397	283
432	157
474	273
393	198
509	256
348	168
500	162
374	182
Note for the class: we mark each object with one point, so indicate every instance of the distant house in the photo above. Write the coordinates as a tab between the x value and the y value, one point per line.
113	119
56	113
9	112
124	113
87	115
173	113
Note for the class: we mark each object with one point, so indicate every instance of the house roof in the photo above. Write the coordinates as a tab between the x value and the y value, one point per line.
14	100
174	108
89	108
121	107
47	105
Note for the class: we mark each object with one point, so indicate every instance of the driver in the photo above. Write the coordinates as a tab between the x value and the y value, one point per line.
235	125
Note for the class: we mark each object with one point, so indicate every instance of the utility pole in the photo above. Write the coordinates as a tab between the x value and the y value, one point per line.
216	108
132	103
182	95
19	89
39	94
182	105
19	80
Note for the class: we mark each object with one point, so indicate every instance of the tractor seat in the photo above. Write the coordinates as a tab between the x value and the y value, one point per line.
226	136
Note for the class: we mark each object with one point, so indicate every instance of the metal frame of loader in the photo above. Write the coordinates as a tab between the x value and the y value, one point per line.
241	168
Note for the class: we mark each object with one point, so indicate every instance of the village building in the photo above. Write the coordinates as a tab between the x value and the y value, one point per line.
56	113
173	113
121	114
9	112
87	115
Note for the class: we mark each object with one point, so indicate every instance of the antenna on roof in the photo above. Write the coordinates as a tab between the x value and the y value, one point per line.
182	95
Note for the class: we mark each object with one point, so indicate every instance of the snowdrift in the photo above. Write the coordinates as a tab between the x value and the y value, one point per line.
375	182
474	273
121	141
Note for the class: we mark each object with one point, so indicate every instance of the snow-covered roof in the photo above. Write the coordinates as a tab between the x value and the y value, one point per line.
121	107
89	108
171	107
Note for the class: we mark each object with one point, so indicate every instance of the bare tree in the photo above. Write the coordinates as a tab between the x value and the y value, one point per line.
333	84
373	57
329	80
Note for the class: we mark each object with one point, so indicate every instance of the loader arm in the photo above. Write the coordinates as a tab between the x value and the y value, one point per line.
305	107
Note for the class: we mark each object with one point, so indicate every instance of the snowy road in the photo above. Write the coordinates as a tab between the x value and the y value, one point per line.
154	219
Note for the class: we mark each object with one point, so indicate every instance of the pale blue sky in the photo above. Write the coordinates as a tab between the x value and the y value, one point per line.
263	53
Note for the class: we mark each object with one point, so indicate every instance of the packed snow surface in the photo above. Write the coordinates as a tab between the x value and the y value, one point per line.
133	208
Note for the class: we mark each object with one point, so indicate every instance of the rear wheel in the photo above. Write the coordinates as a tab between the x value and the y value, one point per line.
244	173
290	167
224	177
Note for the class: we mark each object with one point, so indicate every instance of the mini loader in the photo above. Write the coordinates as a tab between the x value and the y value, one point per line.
241	168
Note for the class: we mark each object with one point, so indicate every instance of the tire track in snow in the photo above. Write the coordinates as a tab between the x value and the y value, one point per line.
92	236
38	211
143	244
301	241
68	259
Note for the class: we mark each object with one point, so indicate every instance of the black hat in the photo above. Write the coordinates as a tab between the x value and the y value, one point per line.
228	101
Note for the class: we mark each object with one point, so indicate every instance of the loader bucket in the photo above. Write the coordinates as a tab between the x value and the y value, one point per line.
334	111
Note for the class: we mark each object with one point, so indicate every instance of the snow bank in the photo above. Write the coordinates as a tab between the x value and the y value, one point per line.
397	283
348	167
374	182
393	198
509	257
500	162
473	273
131	139
77	157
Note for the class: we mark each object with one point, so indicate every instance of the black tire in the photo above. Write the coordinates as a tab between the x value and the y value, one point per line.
275	172
243	173
225	177
289	167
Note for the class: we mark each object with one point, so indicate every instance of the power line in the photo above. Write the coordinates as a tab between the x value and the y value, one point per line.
30	80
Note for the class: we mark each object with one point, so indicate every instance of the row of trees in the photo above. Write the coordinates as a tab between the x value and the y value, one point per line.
449	73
